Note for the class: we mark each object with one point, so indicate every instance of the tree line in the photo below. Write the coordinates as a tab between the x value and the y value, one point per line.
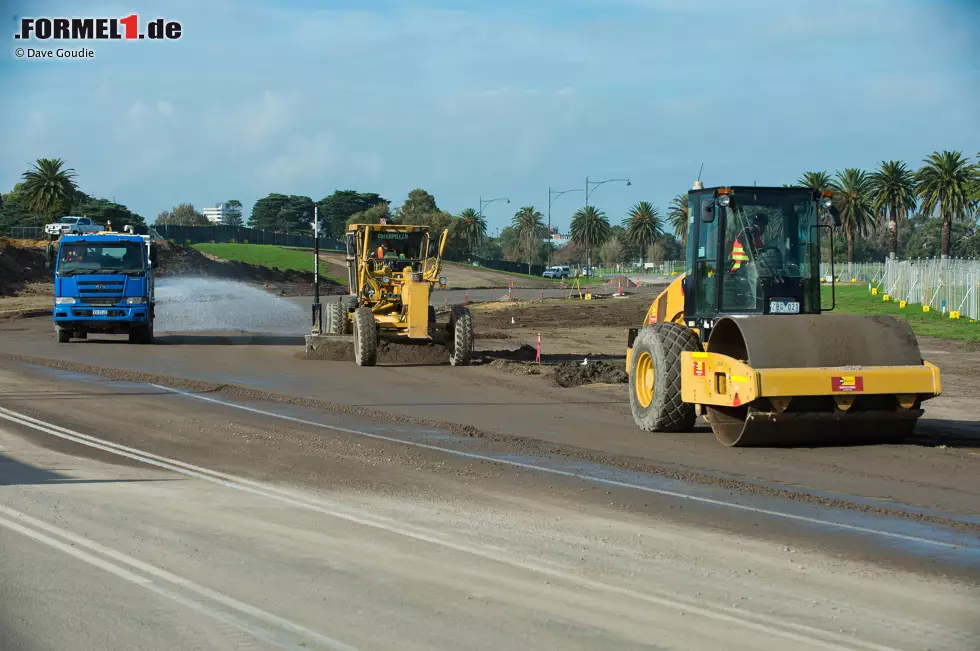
894	210
48	191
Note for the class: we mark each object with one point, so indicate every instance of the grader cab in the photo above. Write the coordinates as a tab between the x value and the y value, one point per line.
741	337
392	269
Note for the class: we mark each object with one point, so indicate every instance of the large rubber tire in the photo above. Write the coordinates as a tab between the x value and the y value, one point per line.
64	336
80	334
460	336
334	319
655	378
365	337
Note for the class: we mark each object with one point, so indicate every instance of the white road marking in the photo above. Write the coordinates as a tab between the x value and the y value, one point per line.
740	617
33	528
575	475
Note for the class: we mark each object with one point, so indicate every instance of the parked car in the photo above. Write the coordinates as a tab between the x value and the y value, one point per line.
557	272
73	226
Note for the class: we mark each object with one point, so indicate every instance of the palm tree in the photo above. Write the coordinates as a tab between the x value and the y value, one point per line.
591	229
852	195
48	188
471	226
818	181
677	216
529	225
893	193
643	226
947	182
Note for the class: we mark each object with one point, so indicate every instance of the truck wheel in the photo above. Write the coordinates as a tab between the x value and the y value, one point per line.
655	378
64	336
80	334
141	335
460	336
365	337
335	317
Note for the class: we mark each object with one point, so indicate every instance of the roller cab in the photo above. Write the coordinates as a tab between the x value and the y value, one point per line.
743	339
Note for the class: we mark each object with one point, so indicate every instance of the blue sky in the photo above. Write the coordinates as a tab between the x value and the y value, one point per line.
501	98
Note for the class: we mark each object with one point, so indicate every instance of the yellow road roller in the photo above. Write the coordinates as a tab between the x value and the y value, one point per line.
741	337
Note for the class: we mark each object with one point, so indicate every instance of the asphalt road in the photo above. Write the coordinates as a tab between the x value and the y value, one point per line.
235	523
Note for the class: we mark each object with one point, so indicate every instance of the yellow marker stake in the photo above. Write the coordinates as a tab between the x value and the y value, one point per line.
954	314
925	308
902	304
884	298
874	291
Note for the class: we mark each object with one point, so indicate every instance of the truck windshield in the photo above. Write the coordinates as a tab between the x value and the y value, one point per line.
92	258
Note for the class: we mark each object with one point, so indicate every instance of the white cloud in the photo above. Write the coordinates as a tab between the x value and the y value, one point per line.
165	109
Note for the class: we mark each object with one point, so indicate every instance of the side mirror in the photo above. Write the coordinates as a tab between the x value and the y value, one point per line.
707	211
835	215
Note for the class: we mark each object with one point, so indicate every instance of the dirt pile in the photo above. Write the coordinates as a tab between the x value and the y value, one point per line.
574	374
402	353
180	260
565	313
21	263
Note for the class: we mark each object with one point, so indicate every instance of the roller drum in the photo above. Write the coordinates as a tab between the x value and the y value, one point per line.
815	341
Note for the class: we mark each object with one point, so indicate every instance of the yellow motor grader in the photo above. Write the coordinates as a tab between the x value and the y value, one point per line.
741	337
391	273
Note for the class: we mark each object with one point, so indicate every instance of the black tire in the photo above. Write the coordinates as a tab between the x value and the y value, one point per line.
662	344
141	335
80	334
365	337
64	336
334	319
460	336
432	315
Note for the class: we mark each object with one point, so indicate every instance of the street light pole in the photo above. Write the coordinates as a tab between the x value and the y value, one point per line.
487	203
597	184
550	202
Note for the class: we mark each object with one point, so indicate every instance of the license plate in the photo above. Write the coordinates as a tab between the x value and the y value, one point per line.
784	307
100	312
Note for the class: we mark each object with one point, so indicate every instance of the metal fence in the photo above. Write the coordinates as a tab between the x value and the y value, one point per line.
944	285
27	232
222	234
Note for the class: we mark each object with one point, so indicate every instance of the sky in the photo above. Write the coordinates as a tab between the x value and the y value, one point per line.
493	99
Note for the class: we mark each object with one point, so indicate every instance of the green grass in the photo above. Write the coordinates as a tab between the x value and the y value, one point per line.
856	299
266	255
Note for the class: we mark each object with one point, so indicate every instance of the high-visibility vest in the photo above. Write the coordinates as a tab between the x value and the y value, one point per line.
738	251
381	252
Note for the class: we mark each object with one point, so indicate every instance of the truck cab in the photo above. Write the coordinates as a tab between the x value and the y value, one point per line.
104	282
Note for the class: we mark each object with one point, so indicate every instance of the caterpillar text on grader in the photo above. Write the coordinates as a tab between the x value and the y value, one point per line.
740	337
391	274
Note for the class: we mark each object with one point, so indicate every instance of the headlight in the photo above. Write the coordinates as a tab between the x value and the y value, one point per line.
826	203
724	200
135	300
64	300
386	279
442	280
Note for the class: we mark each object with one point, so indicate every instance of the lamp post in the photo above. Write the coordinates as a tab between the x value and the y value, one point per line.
597	184
487	203
551	200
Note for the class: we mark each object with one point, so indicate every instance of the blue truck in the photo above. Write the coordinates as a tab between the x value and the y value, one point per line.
103	282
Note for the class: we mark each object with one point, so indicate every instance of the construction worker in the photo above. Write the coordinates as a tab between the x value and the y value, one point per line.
383	249
750	239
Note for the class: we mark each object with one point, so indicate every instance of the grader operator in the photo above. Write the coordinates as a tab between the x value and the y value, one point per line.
741	337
